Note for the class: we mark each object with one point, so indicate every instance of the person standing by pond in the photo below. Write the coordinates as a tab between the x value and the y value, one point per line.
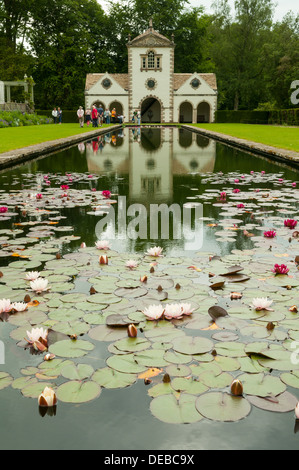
139	117
94	116
88	117
55	115
107	116
80	114
113	116
59	112
100	115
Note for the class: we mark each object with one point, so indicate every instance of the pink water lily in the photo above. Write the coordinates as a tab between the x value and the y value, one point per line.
280	269
102	245
262	303
236	190
64	187
173	312
3	210
38	339
270	234
155	252
131	264
290	223
240	206
5	306
106	194
223	195
294	185
39	196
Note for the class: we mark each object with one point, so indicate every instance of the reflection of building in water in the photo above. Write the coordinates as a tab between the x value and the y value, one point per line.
151	157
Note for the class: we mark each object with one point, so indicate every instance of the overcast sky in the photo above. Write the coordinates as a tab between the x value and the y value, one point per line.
283	6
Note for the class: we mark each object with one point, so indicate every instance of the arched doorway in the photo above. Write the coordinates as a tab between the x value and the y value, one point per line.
118	107
151	110
186	112
97	104
203	112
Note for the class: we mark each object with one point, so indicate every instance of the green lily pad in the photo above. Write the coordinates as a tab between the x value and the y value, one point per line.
169	409
78	392
71	349
218	406
110	378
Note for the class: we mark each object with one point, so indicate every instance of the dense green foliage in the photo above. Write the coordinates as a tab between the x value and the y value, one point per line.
58	41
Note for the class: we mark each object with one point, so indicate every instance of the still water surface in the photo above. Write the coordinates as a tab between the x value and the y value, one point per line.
153	166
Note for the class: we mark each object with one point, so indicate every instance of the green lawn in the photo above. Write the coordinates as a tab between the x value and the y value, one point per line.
12	138
276	136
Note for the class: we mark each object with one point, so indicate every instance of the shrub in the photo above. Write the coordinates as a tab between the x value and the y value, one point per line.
19	119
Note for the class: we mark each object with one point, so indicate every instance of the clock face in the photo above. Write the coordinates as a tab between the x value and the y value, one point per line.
151	83
195	83
106	83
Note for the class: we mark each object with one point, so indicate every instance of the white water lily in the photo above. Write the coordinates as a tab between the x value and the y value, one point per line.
262	303
154	312
47	398
5	306
32	276
156	251
173	312
39	285
19	306
37	334
131	264
187	309
103	245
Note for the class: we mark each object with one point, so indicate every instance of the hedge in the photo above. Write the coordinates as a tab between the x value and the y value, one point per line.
288	117
69	117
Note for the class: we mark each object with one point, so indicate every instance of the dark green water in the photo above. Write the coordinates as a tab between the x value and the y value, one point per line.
154	167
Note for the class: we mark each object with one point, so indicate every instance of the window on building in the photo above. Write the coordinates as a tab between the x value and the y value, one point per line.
151	61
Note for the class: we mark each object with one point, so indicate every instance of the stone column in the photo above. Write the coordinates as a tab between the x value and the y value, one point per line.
8	97
2	92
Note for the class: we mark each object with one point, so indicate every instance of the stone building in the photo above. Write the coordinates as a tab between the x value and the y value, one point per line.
152	87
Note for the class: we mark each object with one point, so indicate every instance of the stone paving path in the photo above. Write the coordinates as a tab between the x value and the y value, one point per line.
285	156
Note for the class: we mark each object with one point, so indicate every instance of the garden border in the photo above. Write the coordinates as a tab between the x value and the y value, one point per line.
14	157
288	157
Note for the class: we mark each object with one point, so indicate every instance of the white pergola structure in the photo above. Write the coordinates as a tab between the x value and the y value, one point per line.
5	89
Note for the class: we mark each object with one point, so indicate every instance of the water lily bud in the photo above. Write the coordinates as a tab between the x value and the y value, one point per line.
293	309
270	326
1	274
236	296
132	331
143	279
27	299
83	245
152	270
166	379
47	398
74	337
49	357
147	381
177	286
236	388
159	288
58	256
103	259
92	291
297	411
